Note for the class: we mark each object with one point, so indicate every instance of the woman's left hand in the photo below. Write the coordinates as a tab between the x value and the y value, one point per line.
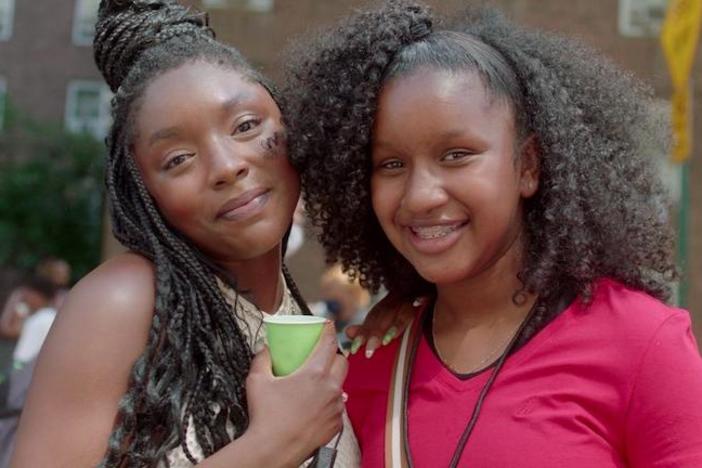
385	321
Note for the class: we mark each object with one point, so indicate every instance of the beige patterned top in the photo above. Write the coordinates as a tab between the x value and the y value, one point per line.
250	320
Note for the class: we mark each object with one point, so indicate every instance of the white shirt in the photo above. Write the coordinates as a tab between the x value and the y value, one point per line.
34	331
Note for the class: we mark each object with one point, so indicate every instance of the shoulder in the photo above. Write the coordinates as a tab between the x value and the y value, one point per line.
113	303
125	280
629	313
104	323
372	374
619	324
84	366
112	306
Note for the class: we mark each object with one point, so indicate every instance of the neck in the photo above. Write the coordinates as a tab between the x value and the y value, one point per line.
485	299
259	279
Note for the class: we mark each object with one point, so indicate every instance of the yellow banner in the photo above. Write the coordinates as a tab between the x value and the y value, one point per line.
679	37
681	123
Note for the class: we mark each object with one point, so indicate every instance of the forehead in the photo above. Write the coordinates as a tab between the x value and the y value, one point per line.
437	98
195	81
440	87
195	91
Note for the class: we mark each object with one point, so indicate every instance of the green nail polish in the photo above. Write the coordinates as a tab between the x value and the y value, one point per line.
357	342
389	335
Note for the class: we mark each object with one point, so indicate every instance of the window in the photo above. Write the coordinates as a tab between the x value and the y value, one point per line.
88	108
7	12
257	6
84	19
3	100
641	18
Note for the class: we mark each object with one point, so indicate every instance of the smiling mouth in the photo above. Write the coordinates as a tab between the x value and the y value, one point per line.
244	206
437	231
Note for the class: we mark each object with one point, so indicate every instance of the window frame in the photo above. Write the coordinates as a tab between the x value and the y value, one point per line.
77	31
7	21
627	9
74	123
253	6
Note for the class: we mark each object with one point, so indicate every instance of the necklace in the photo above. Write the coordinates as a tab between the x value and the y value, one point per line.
463	440
492	354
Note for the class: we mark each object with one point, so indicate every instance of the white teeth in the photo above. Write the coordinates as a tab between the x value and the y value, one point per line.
434	232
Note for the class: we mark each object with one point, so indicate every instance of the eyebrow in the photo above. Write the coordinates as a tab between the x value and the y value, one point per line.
234	101
446	134
173	132
163	134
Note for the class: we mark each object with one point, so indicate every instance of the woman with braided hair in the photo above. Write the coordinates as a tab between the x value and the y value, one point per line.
504	172
151	361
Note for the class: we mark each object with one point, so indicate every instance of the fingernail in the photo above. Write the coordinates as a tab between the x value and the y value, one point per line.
371	346
356	343
392	331
417	302
344	397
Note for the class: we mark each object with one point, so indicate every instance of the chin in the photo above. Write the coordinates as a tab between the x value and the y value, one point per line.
442	275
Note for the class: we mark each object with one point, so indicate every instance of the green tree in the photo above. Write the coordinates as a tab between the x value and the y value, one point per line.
50	195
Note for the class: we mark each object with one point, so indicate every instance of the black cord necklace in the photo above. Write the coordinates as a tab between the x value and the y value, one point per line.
461	445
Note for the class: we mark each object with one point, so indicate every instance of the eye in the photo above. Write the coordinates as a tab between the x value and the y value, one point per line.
390	165
456	156
177	160
247	125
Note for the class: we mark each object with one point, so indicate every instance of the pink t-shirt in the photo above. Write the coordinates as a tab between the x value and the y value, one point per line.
614	384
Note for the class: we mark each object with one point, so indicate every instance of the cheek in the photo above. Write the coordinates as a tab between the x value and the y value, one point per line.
180	205
386	200
288	178
286	182
273	144
381	199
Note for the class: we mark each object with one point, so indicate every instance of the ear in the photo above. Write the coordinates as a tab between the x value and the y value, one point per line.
530	159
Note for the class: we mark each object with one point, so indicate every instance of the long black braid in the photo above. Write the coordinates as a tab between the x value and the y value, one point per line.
196	359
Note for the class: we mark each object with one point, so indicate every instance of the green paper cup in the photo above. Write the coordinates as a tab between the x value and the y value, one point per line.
291	338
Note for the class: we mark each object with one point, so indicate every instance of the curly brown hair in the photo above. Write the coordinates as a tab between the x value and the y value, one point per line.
600	208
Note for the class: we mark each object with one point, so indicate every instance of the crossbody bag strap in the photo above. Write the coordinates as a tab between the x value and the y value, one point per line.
395	437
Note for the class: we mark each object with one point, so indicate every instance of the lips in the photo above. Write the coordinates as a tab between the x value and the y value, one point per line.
244	204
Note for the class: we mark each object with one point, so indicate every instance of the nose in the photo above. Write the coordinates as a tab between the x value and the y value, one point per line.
424	191
227	164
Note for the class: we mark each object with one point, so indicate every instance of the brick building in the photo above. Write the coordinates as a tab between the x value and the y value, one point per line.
46	68
46	64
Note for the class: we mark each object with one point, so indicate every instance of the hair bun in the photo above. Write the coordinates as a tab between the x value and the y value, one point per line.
126	28
411	20
421	29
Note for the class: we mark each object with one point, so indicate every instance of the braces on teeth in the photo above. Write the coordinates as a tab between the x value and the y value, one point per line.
434	231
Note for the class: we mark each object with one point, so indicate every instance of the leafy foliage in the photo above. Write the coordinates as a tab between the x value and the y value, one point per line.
50	195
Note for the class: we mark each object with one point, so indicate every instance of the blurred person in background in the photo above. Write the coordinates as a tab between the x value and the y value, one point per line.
58	272
46	287
343	300
31	294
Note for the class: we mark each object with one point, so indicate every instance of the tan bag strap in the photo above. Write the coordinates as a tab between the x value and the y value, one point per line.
395	421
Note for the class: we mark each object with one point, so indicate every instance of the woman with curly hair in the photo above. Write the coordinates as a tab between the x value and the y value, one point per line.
503	172
151	361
